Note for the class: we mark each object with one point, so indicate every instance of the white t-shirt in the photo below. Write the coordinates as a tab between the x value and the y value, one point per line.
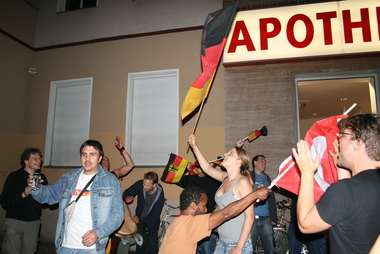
81	222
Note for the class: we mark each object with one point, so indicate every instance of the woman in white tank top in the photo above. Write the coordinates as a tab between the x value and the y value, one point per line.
234	235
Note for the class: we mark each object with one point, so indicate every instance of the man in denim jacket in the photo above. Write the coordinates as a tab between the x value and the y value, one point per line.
98	212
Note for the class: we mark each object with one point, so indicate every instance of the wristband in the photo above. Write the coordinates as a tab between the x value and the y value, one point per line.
121	150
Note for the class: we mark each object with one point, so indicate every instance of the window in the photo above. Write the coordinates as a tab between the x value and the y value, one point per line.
68	123
152	116
70	5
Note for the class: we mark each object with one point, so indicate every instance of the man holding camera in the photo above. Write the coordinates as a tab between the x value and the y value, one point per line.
22	218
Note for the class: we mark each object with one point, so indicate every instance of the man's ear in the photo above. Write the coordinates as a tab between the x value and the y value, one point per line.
358	144
193	206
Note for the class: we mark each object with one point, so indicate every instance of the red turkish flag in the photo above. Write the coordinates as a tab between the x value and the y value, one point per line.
320	139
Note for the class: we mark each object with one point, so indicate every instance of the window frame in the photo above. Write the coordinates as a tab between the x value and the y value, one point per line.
164	149
51	120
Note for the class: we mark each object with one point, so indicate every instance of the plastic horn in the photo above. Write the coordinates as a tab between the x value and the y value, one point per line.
219	159
257	133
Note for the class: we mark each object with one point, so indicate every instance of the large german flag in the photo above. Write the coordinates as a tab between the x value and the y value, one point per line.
214	37
175	169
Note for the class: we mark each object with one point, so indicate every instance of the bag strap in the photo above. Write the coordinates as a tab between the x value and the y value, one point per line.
85	188
129	210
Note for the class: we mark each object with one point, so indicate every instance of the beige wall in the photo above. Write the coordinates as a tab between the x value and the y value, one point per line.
109	64
19	20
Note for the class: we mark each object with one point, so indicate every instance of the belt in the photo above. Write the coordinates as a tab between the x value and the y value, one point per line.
260	217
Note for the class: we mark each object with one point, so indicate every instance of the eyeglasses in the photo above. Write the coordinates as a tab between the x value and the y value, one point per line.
341	134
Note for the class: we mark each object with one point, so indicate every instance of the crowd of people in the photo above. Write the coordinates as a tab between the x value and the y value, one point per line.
235	201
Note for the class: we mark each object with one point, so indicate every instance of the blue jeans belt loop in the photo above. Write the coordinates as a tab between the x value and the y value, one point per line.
260	217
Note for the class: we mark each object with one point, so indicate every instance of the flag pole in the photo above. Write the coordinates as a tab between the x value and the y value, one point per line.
280	176
201	108
196	122
273	183
348	110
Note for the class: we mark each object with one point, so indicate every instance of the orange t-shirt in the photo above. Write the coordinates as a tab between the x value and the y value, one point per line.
184	233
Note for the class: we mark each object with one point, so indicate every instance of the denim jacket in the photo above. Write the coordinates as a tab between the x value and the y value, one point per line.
106	203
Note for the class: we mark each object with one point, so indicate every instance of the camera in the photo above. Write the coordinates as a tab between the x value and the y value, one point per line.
36	181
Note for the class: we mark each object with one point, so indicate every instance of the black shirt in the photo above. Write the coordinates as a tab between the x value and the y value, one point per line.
17	207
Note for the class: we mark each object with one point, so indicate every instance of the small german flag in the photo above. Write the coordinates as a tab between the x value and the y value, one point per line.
175	169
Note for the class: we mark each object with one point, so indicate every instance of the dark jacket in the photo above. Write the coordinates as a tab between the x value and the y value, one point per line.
152	221
271	200
17	207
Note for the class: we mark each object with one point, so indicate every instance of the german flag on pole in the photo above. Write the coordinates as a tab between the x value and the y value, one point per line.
175	169
214	37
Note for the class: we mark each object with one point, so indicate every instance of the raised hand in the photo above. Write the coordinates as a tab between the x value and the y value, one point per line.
304	160
119	143
239	143
192	140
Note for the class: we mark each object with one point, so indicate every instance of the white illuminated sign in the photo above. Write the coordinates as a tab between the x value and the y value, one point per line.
304	31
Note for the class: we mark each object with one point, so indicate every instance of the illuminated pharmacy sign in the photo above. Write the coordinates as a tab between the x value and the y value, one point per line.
321	29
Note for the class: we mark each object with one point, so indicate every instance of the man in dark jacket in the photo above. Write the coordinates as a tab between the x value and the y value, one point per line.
265	211
22	219
150	202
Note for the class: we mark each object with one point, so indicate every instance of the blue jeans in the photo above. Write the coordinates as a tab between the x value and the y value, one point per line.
207	245
224	247
264	228
64	250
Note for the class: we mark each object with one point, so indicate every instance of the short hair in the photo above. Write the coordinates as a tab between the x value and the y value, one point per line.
189	195
151	176
95	144
105	158
26	154
365	127
256	158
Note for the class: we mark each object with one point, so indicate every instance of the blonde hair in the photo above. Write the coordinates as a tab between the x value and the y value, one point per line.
245	161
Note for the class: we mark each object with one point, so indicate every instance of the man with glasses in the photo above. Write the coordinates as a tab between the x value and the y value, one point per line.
350	207
265	211
22	218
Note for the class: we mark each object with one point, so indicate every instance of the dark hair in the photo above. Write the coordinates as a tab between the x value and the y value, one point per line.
189	195
256	158
26	154
151	176
95	144
365	127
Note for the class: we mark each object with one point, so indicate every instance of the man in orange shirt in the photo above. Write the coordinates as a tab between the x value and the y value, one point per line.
192	225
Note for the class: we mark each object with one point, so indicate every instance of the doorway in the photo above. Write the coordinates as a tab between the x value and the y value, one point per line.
319	98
